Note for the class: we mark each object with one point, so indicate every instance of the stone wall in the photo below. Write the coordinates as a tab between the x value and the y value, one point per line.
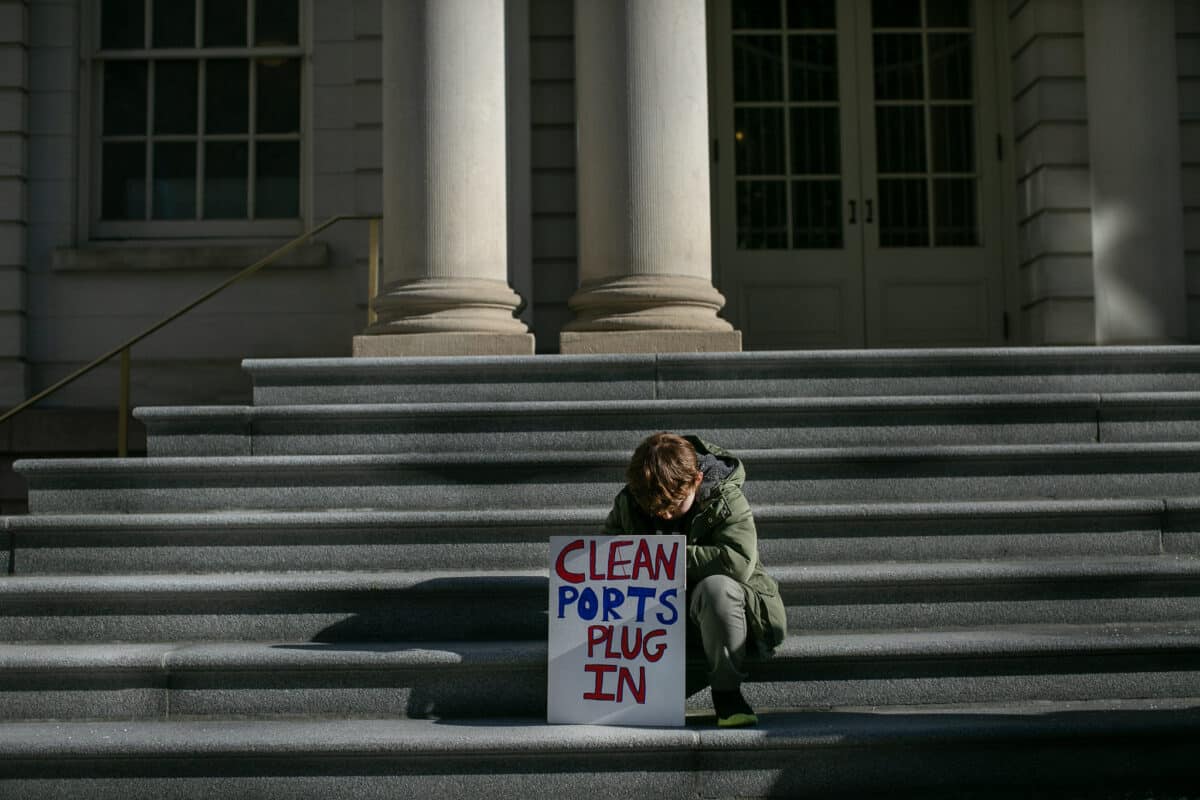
1187	20
347	161
88	294
552	85
1053	182
14	193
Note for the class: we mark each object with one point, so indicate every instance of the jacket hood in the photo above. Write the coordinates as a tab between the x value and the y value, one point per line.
718	466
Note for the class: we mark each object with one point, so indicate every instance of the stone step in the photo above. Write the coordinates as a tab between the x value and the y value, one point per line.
496	606
157	681
704	375
447	481
100	544
590	425
257	541
898	595
1106	749
753	423
281	679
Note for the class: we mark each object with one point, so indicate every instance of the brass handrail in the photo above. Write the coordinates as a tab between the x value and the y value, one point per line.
124	348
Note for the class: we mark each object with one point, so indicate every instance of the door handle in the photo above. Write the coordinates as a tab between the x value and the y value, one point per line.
870	213
853	212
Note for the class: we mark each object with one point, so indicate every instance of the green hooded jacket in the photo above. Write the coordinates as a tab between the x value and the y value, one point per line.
721	540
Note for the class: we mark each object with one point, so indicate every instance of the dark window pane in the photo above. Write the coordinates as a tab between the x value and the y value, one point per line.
812	14
816	141
277	180
226	176
954	222
757	68
123	177
175	96
951	75
758	141
903	213
175	180
953	132
948	13
276	22
122	25
174	23
900	139
124	98
896	13
755	13
816	215
225	23
761	215
814	75
227	96
278	95
899	69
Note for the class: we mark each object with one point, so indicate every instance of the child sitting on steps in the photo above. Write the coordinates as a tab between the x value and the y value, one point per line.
681	484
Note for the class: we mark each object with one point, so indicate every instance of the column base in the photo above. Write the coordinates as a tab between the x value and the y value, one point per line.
661	341
646	303
443	344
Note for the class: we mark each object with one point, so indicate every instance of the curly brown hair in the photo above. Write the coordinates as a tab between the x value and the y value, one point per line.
661	472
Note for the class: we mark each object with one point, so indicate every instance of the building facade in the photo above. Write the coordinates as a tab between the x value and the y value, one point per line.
589	176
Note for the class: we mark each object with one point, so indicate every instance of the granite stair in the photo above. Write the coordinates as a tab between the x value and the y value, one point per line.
989	558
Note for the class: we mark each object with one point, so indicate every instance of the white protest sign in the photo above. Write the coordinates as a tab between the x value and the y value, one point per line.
617	619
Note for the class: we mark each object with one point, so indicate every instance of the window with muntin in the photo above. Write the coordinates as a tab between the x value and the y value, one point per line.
198	108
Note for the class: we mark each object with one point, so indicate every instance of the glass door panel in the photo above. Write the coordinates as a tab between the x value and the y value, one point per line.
789	238
928	279
787	125
924	119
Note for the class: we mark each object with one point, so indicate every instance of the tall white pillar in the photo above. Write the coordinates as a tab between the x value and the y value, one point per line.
645	244
445	279
1137	205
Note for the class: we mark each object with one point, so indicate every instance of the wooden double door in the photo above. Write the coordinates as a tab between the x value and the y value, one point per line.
857	196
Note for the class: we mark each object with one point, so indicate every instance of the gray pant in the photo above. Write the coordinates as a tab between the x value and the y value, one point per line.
718	609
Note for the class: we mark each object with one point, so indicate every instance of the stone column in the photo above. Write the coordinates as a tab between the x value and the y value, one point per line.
1137	205
445	279
645	244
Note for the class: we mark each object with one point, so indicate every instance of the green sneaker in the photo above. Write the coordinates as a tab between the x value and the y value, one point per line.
732	709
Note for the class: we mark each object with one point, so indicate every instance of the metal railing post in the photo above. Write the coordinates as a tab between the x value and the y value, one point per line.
123	420
372	270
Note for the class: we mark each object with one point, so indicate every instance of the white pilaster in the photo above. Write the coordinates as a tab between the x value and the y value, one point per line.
14	204
1137	206
645	244
445	284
